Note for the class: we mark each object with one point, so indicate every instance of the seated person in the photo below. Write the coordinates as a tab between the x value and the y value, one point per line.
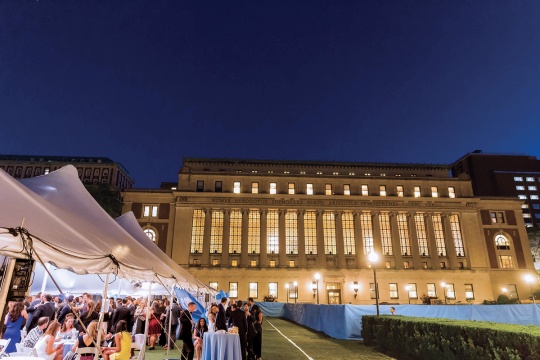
66	331
87	340
45	346
36	333
122	340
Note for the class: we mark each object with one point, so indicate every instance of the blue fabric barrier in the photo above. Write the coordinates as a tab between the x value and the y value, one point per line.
271	309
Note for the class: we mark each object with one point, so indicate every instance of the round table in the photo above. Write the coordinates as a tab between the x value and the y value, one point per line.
67	346
221	346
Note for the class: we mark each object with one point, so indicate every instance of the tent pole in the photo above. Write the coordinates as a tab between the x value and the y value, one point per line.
102	312
143	348
170	322
45	278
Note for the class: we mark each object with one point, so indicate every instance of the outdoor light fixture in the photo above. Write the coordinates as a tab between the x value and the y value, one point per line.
314	288
530	279
316	285
443	284
504	290
408	288
355	289
373	258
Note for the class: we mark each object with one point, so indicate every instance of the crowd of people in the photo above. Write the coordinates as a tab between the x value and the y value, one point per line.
44	322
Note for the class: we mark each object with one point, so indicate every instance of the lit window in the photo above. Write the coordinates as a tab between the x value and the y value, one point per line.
254	290
529	178
502	242
393	291
450	291
235	232
367	174
469	292
310	232
522	197
151	234
254	187
253	171
146	212
382	190
388	264
335	173
347	189
532	188
534	197
328	189
154	211
451	192
213	284
424	265
273	289
372	290
493	217
351	173
216	232
413	293
309	189
291	263
406	264
319	172
254	232
329	233
291	188
234	263
520	187
197	231
291	232
285	172
518	178
434	191
272	232
417	191
47	170
442	264
365	191
233	289
383	174
527	216
525	206
236	187
215	262
399	190
273	188
431	290
347	222
506	262
253	263
272	263
302	173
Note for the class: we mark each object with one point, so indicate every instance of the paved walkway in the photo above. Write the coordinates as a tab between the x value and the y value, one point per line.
284	340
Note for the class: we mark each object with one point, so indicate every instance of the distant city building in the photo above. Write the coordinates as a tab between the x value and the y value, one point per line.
255	228
92	170
516	176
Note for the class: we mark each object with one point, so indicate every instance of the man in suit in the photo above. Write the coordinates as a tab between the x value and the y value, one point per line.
30	324
221	319
186	332
47	309
173	315
123	313
66	309
238	319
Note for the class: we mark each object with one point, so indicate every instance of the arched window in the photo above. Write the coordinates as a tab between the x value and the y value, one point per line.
502	242
151	234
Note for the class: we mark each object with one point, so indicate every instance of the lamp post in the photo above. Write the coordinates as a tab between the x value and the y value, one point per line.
373	258
295	291
443	284
530	280
288	292
317	278
408	289
355	288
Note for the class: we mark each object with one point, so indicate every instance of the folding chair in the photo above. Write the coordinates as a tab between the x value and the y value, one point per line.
3	346
89	350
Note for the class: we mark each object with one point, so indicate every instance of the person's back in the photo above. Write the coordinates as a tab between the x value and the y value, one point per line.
125	347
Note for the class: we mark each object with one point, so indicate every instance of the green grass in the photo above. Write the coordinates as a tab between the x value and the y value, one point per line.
315	345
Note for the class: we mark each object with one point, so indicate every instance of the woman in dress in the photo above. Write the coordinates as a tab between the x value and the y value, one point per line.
45	346
13	322
154	327
90	314
66	331
140	316
198	336
87	340
122	339
212	313
257	340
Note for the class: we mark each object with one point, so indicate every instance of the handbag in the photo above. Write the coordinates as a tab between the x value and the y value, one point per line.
72	356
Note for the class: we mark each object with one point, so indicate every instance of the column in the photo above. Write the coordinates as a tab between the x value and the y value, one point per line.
302	262
321	256
377	242
207	237
358	241
449	242
413	238
396	242
282	239
244	257
434	255
264	256
340	243
226	236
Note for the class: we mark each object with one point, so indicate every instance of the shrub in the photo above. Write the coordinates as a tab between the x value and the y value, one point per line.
269	298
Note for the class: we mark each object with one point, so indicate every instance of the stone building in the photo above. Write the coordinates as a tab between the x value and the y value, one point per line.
302	231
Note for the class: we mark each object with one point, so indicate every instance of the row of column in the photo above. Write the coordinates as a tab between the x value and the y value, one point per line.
321	258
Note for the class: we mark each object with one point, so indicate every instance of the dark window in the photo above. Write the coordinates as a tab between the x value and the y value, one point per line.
200	186
219	186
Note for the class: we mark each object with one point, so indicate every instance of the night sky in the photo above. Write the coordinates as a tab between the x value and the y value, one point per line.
147	83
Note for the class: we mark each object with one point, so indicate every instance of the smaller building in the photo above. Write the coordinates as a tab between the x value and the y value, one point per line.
92	170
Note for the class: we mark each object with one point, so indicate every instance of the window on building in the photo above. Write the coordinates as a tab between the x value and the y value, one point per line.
442	264
329	230
47	170
200	186
216	232
417	191
535	206
365	190
518	178
309	189
218	186
234	263
310	232
254	187
233	289
450	291
319	172
254	290
394	291
530	178
347	224
406	264
526	216
372	290
272	231
367	232
146	212
399	190
291	263
382	190
236	187
506	262
154	211
456	234
386	234
151	234
196	262
213	285
512	291
534	197
291	232
421	234
272	263
403	231
469	292
413	293
253	263
235	232
434	191
388	264
451	192
439	234
525	206
254	232
197	231
424	265
328	189
520	188
273	188
215	262
522	197
291	189
273	289
431	290
347	189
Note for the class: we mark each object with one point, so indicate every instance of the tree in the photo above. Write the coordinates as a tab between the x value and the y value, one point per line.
108	197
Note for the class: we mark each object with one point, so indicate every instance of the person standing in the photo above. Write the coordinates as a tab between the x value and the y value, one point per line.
251	333
13	323
122	313
31	322
66	309
257	340
186	333
221	319
238	319
212	315
172	316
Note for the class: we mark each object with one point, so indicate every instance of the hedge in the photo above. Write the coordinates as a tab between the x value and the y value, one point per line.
427	338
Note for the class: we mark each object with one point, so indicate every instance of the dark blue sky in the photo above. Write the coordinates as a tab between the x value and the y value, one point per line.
147	83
